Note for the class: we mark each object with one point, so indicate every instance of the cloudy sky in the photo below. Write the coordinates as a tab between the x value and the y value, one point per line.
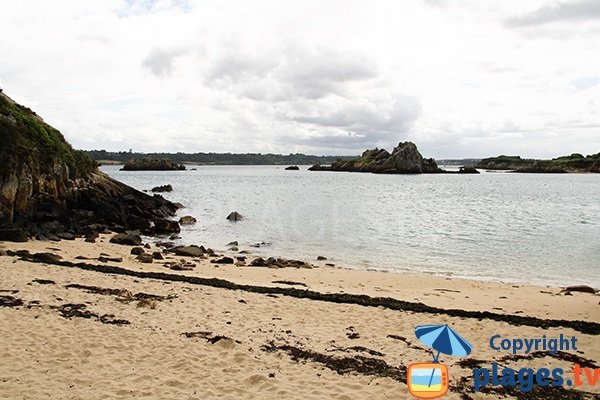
459	78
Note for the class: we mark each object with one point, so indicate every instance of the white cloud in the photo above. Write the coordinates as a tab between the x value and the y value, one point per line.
460	79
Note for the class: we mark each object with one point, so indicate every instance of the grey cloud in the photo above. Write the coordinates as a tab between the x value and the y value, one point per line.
328	98
290	72
558	12
160	61
395	116
237	69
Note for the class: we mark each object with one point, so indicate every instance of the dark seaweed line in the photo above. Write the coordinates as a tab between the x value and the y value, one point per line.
590	328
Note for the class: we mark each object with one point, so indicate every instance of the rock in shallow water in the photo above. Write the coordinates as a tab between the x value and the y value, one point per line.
235	216
187	220
163	188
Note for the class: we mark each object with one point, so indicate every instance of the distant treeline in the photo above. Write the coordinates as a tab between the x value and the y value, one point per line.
220	158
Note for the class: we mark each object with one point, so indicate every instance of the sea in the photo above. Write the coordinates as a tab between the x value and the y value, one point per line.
495	226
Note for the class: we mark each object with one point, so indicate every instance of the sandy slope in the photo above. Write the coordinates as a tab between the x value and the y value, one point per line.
45	355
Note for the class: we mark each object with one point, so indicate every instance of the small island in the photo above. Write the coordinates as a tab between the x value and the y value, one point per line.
152	164
404	159
573	163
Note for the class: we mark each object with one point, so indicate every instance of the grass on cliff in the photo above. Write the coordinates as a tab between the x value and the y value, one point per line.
24	136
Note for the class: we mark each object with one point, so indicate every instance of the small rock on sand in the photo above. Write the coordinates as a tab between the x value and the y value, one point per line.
136	251
125	239
223	260
145	258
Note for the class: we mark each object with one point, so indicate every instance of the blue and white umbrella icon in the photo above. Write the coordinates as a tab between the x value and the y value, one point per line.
443	339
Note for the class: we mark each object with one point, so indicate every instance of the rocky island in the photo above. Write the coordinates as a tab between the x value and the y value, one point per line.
152	164
50	190
404	159
573	163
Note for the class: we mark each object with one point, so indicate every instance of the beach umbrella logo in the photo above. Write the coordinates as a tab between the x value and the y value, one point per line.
428	380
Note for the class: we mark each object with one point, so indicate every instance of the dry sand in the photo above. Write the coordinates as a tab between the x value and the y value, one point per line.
204	342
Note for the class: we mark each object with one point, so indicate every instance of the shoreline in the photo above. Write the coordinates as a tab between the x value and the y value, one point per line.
227	331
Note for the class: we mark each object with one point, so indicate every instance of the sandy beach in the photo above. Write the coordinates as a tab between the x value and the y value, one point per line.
72	328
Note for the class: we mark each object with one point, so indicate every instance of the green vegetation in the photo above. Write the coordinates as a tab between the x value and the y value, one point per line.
219	158
25	136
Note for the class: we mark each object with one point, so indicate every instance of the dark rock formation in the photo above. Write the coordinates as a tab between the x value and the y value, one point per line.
404	159
235	216
47	187
273	262
152	164
468	170
292	168
163	188
165	226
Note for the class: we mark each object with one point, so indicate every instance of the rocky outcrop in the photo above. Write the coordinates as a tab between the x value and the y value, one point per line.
152	164
404	159
47	187
573	163
292	168
163	188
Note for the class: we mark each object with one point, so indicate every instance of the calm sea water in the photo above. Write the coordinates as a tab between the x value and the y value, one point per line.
532	228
